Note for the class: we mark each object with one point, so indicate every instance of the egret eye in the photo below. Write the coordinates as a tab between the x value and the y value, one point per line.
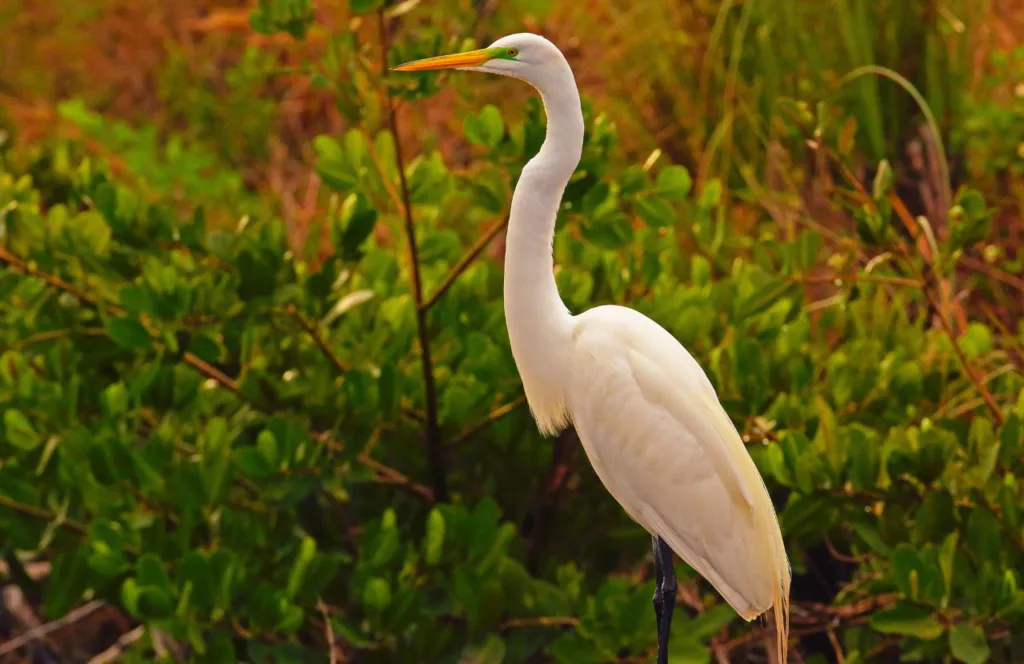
513	52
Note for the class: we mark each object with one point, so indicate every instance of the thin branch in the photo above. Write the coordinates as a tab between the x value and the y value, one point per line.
465	262
24	267
997	412
385	474
55	335
41	631
388	475
433	431
114	652
876	278
993	272
549	495
313	330
836	647
492	417
39	513
541	621
332	645
844	558
210	371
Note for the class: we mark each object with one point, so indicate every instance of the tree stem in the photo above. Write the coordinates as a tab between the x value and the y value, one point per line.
433	431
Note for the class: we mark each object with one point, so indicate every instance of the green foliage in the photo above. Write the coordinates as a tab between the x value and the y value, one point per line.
223	436
291	16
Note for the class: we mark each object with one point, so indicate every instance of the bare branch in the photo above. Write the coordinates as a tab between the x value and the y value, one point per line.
465	262
313	330
114	652
37	633
433	431
38	513
492	417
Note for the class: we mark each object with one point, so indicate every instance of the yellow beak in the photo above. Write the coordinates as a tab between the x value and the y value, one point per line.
455	61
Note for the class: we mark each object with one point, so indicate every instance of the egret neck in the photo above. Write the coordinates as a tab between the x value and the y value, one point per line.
539	325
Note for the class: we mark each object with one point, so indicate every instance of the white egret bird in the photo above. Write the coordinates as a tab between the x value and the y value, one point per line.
646	413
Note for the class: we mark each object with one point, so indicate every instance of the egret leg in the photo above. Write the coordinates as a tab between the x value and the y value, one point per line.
659	576
666	588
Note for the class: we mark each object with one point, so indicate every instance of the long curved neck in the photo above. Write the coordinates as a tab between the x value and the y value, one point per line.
539	325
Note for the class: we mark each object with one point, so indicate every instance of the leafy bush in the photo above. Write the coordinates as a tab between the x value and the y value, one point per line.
260	455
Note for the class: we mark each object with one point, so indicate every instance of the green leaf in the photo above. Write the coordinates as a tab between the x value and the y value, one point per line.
968	644
291	16
387	543
656	211
332	165
253	463
433	542
68	580
485	128
491	651
377	594
711	194
206	347
19	431
130	333
492	124
115	400
976	340
364	6
883	180
150	571
610	230
195	571
808	245
907	619
673	182
307	551
984	535
358	217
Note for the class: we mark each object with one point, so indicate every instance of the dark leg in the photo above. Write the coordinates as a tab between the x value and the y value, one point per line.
667	590
659	575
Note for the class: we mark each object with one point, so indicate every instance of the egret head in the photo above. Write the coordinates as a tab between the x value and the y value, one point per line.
525	56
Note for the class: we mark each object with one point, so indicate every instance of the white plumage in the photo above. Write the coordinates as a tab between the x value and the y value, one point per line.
646	413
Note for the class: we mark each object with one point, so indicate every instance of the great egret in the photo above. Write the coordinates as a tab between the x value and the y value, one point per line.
646	413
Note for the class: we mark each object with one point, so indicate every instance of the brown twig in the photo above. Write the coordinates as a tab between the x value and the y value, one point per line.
876	278
836	647
53	280
979	385
212	372
549	494
844	558
41	631
39	513
492	417
385	474
389	475
464	262
433	430
114	652
993	272
313	330
332	645
541	621
54	335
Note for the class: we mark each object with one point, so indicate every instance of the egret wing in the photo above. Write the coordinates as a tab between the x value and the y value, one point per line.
662	444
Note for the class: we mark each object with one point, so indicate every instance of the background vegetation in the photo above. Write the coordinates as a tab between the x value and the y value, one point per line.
257	399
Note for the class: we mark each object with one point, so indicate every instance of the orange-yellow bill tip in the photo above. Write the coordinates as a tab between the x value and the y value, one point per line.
455	61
